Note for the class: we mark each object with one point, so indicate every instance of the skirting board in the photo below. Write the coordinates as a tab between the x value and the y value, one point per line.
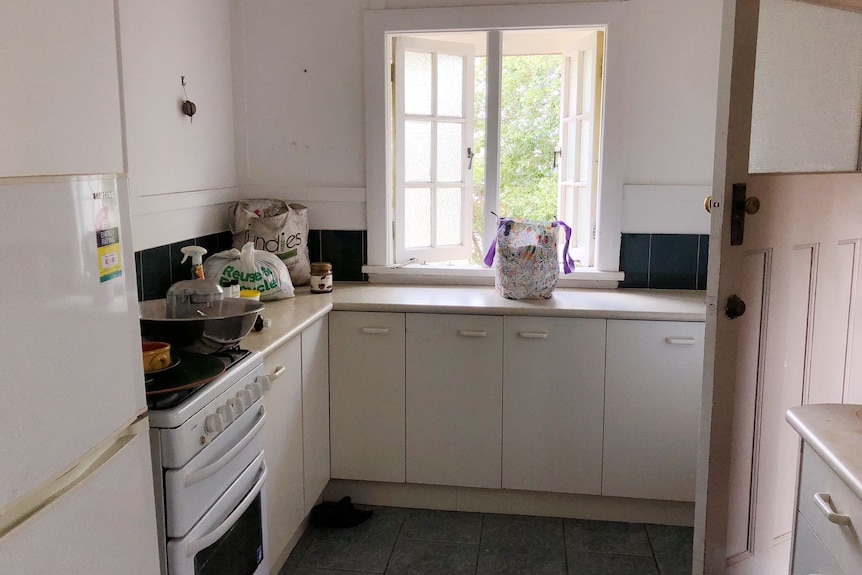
506	501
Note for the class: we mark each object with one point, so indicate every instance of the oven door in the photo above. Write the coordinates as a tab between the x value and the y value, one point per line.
230	539
194	488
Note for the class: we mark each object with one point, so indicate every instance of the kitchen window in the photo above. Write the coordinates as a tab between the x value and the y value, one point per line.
437	164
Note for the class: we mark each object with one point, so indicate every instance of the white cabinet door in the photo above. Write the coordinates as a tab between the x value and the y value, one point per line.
553	393
315	410
283	446
60	99
366	379
454	399
652	409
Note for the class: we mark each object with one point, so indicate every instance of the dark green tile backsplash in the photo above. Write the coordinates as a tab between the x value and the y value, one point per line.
159	267
664	261
658	261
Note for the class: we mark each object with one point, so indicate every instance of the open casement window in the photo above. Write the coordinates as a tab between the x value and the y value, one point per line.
433	128
579	137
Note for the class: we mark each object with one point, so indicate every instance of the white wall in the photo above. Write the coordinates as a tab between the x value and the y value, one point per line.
301	117
807	89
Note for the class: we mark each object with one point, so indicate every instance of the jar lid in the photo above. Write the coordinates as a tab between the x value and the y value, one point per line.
321	267
250	294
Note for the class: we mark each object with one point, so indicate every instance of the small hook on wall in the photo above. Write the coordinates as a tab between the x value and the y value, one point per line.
188	107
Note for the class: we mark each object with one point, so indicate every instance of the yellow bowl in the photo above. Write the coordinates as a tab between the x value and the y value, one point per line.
156	355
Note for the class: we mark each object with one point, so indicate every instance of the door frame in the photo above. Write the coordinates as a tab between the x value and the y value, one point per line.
737	55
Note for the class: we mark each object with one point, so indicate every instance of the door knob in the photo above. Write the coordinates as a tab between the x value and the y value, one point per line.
707	204
735	307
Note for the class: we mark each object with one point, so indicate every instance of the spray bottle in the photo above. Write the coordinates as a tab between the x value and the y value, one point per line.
197	254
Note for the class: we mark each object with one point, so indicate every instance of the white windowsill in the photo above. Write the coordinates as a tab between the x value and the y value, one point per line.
452	275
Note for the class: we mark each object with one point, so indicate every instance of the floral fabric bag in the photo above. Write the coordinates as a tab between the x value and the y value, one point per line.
527	262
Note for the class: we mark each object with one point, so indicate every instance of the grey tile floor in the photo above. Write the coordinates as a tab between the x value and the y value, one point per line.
398	541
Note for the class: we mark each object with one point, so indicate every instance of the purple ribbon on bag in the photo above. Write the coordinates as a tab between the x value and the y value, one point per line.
568	262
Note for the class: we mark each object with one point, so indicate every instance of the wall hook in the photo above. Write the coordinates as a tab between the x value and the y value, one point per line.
188	107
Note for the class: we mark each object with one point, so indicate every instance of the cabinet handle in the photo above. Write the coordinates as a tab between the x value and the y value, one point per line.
472	333
824	502
533	334
375	330
680	340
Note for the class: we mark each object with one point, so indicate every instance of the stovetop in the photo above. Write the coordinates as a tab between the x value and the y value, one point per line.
173	408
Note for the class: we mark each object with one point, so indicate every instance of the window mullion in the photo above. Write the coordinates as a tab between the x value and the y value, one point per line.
492	135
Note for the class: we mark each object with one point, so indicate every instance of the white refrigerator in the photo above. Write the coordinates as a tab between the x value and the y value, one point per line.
76	484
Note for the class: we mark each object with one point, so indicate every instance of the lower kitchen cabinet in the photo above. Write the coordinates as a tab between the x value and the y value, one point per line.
454	399
315	410
553	394
283	446
366	383
652	409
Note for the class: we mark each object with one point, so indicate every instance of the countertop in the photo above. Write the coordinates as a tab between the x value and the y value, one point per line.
834	431
290	316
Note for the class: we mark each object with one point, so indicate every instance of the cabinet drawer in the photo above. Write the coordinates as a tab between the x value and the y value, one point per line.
809	554
842	541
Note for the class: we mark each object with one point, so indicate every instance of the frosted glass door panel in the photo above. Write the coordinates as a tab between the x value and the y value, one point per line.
417	151
450	77
417	225
448	152
449	216
417	83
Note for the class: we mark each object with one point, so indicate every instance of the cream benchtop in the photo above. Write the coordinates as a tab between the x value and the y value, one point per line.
291	316
834	431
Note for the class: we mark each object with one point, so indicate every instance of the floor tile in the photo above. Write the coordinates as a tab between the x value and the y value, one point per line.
516	531
432	558
521	545
672	547
604	564
607	537
443	526
534	560
364	548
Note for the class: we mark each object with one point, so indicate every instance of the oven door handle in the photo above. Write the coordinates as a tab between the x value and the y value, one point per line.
230	520
215	466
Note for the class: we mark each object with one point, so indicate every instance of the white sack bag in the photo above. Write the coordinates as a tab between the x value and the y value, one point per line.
255	269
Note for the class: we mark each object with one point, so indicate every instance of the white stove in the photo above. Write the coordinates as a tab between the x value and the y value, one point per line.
209	471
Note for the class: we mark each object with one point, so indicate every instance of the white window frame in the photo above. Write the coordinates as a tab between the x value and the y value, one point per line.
378	24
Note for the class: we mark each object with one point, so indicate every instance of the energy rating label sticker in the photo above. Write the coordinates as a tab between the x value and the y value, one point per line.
110	263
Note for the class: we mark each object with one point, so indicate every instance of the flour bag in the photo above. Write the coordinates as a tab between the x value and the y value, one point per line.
276	227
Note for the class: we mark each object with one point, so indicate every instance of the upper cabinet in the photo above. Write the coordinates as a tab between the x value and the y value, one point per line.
60	98
806	110
177	163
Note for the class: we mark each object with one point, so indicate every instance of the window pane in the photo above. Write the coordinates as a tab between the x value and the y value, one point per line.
569	213
571	151
450	82
417	217
583	224
448	216
587	84
572	71
417	151
417	83
585	149
449	152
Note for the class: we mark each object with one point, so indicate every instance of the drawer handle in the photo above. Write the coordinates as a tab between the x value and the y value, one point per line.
533	334
680	340
472	333
375	330
824	502
279	371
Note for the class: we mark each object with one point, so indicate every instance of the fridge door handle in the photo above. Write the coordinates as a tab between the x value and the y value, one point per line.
215	534
215	466
22	509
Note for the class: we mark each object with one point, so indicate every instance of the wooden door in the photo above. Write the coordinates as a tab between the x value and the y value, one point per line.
798	272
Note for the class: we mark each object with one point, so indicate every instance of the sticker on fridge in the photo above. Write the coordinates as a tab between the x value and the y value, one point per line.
106	219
